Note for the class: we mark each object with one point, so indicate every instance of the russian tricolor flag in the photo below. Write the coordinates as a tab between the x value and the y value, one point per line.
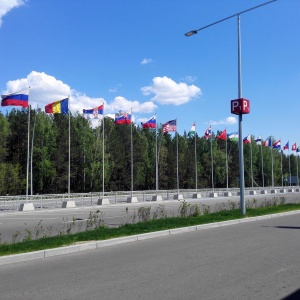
16	99
151	123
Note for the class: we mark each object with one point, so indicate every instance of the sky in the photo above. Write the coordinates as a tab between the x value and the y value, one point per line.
132	54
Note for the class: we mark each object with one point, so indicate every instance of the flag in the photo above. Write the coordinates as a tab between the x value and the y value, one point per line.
298	149
294	147
222	135
58	107
170	126
276	145
268	142
286	146
122	118
192	131
247	139
233	136
207	133
151	123
15	99
258	140
95	112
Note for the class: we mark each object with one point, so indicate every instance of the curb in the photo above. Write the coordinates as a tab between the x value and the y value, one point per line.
15	258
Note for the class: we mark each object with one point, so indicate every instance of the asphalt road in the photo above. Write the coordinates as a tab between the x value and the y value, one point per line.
255	260
15	226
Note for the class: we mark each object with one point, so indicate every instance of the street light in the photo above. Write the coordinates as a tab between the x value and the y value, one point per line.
241	152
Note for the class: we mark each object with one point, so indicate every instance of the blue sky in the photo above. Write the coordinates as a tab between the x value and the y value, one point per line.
133	54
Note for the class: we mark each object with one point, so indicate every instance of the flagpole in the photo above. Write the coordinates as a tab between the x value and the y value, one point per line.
297	168
212	161
31	158
196	175
69	175
290	167
251	162
103	150
226	162
272	162
281	169
28	143
156	159
177	158
262	163
131	148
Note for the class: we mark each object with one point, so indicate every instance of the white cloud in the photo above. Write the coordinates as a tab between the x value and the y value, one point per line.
146	61
45	89
120	103
226	121
168	91
7	5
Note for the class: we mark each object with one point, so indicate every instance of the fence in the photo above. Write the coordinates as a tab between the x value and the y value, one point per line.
48	201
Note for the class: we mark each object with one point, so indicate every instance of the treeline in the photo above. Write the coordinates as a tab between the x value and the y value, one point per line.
49	135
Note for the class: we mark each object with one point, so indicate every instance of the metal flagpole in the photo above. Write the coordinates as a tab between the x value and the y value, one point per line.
69	176
196	175
212	161
297	168
156	159
103	151
251	161
131	147
31	156
272	162
177	158
290	167
281	169
262	163
28	143
226	162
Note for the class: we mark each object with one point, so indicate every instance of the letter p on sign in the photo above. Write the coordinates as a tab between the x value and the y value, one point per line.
240	106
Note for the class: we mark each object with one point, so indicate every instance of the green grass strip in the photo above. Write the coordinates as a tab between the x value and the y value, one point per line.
104	233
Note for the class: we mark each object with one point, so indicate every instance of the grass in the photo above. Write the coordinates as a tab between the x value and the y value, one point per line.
104	233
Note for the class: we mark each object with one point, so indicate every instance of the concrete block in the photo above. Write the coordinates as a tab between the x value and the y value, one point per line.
213	195
227	194
273	191
252	192
132	200
68	204
157	198
103	201
178	197
26	207
196	195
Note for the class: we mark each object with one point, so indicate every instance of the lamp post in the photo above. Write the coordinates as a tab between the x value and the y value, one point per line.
240	113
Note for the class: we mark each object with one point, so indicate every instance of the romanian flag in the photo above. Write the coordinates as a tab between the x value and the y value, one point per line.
58	107
15	99
95	112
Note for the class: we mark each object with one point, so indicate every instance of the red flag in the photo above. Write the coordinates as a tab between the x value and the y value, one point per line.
294	147
222	135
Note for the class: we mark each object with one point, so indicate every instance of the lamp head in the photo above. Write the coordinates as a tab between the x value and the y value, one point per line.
192	32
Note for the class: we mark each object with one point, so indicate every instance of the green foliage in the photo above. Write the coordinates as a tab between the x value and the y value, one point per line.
50	161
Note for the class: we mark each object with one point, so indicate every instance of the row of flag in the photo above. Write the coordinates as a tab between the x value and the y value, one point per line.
62	107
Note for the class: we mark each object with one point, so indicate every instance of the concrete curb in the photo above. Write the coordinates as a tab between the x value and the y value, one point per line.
9	259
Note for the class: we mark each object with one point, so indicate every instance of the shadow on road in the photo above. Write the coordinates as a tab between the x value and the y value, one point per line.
293	296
